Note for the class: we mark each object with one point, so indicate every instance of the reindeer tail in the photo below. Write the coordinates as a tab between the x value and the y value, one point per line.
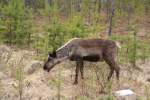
118	44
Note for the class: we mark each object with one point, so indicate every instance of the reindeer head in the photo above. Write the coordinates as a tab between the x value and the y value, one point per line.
49	64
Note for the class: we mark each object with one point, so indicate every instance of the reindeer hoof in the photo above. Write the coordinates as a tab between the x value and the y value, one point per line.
75	83
102	92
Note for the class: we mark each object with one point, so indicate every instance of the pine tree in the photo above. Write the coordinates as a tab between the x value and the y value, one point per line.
16	22
54	29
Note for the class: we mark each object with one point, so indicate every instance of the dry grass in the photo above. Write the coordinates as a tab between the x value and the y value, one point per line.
59	82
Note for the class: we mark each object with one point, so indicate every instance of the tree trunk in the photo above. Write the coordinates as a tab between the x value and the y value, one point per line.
99	6
11	36
78	5
111	18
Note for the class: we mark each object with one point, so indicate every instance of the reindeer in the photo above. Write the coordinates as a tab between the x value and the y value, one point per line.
80	50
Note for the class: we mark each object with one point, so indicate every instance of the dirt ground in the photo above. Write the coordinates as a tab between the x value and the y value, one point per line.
40	85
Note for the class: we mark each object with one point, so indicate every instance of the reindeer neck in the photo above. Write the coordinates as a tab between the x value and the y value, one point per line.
63	51
59	60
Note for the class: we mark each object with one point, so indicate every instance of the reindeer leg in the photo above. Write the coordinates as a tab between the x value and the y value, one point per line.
77	71
116	67
110	62
110	74
81	69
117	70
113	66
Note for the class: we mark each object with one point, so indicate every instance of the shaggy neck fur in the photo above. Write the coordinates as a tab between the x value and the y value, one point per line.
64	50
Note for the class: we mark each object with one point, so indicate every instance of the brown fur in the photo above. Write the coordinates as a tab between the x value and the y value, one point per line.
92	50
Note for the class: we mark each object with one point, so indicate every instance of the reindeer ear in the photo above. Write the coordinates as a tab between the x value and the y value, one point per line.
50	54
54	53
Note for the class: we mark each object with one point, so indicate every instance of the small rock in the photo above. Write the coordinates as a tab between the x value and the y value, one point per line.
35	65
125	94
